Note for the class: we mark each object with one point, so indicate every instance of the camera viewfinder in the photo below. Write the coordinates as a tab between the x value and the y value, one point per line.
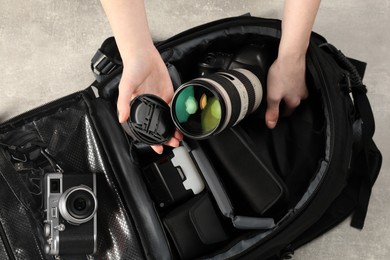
55	186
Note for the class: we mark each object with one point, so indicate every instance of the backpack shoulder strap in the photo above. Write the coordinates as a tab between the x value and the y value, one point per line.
367	160
106	59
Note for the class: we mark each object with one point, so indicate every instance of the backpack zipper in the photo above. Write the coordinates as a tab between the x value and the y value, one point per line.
212	26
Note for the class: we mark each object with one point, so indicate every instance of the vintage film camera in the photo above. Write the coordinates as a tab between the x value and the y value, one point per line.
70	204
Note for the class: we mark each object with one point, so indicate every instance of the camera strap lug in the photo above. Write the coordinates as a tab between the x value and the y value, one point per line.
19	158
53	164
60	227
59	169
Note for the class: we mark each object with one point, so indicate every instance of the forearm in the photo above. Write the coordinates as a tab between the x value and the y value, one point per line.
129	24
297	23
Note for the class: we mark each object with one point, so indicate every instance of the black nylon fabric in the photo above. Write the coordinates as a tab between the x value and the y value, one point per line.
73	144
294	147
3	252
17	214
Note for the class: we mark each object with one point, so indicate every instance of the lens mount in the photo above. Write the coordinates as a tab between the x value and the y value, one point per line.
78	205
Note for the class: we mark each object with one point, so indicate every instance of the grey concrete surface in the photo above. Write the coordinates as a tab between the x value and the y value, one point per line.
46	46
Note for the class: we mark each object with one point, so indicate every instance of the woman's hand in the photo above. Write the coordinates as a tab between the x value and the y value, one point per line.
145	72
143	69
286	81
286	76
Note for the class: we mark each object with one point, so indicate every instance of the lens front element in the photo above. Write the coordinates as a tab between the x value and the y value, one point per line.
197	109
78	205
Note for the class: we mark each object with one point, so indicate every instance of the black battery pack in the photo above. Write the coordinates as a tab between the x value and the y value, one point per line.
173	178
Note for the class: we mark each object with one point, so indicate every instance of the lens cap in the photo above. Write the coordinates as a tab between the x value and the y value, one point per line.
150	121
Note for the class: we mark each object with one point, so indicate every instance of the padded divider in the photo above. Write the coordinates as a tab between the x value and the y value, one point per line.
195	227
257	184
294	148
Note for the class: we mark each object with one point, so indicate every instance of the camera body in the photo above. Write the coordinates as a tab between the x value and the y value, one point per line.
256	58
70	204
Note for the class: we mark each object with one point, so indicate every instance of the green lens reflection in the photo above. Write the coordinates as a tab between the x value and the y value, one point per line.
181	110
197	110
211	115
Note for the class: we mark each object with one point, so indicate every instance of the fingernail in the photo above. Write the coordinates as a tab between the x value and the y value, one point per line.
176	143
121	118
271	124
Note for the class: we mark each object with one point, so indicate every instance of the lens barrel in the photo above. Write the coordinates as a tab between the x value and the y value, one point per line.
78	205
209	104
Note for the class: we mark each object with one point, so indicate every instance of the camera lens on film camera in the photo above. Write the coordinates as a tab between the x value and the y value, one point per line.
78	205
207	105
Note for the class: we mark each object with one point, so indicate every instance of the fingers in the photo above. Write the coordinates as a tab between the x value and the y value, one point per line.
124	98
158	148
286	81
178	135
291	104
272	113
293	101
173	142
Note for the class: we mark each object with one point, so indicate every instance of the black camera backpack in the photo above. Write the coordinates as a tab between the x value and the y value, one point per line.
267	192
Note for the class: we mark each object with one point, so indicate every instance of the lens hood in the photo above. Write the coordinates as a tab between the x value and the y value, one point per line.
67	200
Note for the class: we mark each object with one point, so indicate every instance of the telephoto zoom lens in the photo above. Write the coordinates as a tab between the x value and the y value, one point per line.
209	104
